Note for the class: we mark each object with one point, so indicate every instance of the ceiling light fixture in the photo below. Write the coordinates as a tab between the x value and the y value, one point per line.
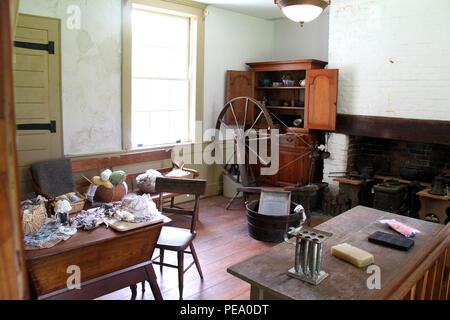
302	10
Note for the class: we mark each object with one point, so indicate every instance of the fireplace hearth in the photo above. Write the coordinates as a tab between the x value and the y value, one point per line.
389	172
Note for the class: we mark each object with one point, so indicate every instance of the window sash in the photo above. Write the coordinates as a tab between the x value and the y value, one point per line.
170	110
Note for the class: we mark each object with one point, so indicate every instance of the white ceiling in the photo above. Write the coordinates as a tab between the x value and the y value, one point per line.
259	8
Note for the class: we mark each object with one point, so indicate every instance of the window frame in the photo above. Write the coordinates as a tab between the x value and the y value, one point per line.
177	7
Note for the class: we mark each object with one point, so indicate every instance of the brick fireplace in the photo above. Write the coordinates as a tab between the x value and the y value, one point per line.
401	161
389	145
389	157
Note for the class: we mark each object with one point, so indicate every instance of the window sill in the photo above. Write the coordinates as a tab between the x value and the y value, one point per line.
158	147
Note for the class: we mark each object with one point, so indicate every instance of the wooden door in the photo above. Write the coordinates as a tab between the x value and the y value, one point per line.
37	92
321	98
13	280
239	84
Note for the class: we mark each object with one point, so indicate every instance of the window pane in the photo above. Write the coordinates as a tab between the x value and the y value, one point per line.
159	127
178	129
141	128
178	31
146	28
179	94
140	95
159	95
178	64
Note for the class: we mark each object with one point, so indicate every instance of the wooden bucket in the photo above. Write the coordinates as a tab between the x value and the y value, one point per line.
267	227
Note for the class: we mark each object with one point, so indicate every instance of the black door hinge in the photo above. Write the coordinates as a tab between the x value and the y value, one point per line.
38	126
50	47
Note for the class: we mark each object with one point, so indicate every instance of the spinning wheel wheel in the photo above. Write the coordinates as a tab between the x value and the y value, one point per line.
235	125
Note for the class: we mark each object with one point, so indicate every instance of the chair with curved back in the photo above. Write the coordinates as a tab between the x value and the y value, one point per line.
174	238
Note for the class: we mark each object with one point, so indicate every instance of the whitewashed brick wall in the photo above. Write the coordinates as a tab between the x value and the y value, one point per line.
393	58
337	162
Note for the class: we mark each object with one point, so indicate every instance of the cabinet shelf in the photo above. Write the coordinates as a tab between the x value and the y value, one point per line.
281	88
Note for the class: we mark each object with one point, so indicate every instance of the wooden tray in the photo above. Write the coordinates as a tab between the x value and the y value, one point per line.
123	226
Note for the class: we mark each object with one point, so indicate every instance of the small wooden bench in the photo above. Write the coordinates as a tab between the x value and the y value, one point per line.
100	164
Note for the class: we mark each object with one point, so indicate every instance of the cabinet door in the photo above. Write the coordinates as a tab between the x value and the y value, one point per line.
321	97
291	168
239	84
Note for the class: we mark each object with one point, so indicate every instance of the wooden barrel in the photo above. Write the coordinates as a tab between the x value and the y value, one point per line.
269	228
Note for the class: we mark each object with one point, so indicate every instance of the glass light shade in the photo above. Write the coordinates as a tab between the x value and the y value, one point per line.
302	12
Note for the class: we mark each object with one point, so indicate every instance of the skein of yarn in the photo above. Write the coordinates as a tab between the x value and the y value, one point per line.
105	175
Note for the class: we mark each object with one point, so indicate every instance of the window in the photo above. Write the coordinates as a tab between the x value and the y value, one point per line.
163	77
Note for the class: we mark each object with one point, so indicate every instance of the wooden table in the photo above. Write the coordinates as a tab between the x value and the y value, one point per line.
109	260
433	204
266	272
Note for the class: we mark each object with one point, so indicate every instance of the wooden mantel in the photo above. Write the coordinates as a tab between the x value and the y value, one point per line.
425	131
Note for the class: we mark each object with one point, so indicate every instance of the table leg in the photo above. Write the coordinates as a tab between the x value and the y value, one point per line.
133	288
151	277
256	293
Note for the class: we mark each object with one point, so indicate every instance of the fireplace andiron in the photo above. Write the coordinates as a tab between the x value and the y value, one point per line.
308	254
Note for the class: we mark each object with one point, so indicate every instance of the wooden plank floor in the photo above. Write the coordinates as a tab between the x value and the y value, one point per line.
222	241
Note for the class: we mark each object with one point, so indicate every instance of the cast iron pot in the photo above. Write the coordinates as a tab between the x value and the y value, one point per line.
409	173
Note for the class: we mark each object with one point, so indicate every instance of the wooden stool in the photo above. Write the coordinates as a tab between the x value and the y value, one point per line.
433	204
352	188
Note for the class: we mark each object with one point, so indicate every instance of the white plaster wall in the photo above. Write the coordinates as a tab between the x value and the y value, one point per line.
231	40
91	73
393	57
292	42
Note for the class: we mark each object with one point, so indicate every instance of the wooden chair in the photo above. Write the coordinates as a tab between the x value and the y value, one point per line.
178	239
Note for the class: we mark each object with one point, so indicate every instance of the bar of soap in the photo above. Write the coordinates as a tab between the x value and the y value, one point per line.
349	253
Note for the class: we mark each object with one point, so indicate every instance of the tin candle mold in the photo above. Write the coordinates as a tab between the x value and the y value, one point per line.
308	254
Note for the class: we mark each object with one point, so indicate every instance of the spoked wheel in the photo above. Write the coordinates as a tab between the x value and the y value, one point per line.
242	124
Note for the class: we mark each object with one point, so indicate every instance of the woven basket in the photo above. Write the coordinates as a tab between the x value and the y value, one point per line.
177	166
180	177
78	205
32	222
104	194
187	175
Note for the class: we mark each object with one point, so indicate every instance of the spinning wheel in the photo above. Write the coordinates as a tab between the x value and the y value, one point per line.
241	125
238	125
